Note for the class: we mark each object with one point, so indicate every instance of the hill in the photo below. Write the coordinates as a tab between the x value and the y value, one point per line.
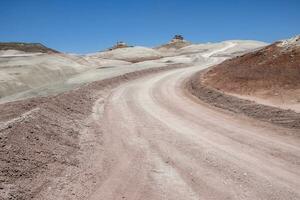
270	75
26	47
176	43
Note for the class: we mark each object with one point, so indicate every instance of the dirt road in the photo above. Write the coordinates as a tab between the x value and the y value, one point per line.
161	143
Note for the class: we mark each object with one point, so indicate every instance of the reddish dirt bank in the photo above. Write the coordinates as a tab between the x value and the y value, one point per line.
272	67
271	73
199	88
39	137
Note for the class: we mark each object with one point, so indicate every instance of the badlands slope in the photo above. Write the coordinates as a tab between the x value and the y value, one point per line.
25	47
28	72
270	75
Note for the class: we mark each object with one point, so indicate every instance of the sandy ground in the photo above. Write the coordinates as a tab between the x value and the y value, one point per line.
150	139
161	144
289	100
146	137
45	142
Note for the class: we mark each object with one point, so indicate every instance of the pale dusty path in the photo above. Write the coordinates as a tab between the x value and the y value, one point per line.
161	144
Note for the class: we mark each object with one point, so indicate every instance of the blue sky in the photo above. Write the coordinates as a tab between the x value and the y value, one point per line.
92	25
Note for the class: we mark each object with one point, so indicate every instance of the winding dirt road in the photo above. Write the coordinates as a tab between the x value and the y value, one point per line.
161	143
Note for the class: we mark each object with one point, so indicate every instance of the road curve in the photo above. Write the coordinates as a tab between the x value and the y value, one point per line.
163	144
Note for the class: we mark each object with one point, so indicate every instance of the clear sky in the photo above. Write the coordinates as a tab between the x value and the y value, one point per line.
92	25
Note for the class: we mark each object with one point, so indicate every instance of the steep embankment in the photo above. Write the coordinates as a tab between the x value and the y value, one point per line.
270	75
